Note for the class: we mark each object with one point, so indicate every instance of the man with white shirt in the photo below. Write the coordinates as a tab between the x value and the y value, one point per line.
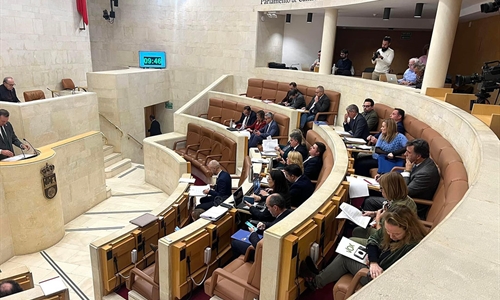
248	117
314	163
382	59
8	137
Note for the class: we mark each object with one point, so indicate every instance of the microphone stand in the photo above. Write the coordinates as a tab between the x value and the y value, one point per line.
34	149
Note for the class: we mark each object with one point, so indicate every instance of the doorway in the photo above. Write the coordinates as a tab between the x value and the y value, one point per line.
149	110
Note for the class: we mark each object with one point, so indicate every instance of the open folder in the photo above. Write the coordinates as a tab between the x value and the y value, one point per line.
353	214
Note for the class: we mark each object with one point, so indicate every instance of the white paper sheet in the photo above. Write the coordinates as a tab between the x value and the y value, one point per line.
245	133
351	140
18	157
364	147
357	187
260	160
352	250
269	145
186	180
353	214
51	286
214	213
197	190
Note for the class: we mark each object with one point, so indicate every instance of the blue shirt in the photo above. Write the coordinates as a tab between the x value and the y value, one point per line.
397	143
409	76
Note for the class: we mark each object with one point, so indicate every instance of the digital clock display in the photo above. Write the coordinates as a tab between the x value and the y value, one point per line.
152	59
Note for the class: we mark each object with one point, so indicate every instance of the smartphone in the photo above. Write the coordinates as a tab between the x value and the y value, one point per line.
250	225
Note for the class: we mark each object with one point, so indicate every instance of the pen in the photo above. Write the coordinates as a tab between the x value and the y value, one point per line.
367	182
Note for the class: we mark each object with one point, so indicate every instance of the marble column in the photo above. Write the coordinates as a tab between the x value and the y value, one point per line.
443	35
328	40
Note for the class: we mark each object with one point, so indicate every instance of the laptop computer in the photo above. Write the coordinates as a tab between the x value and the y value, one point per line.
392	78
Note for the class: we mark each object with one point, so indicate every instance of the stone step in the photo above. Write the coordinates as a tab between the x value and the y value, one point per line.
107	149
112	158
108	192
118	167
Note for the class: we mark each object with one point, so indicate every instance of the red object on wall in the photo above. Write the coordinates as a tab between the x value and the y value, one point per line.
81	6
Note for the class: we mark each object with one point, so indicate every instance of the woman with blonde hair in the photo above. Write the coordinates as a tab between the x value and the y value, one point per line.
401	232
393	188
390	144
295	158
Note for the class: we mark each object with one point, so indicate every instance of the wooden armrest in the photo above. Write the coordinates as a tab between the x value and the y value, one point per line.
324	113
397	169
81	88
215	117
355	281
230	276
257	97
141	274
427	223
201	151
249	252
201	115
374	132
423	202
234	176
244	94
175	144
280	137
213	156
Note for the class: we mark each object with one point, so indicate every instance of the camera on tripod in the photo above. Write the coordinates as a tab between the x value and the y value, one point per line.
490	79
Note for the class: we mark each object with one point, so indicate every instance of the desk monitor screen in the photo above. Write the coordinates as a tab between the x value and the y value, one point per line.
153	59
238	196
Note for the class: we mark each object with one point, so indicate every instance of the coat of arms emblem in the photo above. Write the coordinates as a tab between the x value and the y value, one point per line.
49	181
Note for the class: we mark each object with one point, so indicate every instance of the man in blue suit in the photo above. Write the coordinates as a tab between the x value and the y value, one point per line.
221	189
301	187
271	129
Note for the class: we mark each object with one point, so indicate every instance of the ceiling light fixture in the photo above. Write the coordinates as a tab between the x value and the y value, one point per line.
387	13
419	7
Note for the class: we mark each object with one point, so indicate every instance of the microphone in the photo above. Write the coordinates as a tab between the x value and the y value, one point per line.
24	155
34	149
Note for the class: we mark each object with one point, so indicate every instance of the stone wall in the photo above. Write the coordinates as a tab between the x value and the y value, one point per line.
42	44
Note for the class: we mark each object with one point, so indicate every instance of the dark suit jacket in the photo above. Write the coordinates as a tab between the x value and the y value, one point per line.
155	128
8	96
423	180
322	106
358	127
222	186
302	149
11	138
251	118
298	102
312	167
301	190
254	237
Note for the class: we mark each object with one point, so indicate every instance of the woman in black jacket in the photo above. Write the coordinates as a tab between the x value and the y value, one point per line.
277	184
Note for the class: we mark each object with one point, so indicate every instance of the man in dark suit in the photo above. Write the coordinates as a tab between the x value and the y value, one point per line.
398	115
8	137
357	125
314	163
291	86
155	126
319	103
421	176
221	189
295	100
7	90
271	129
301	188
276	205
294	144
248	117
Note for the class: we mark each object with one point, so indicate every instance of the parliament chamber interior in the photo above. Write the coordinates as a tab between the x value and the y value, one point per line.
128	122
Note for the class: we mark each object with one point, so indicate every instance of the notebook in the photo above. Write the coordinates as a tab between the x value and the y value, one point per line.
144	220
214	213
243	235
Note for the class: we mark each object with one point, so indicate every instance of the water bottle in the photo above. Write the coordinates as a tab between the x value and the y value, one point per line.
231	123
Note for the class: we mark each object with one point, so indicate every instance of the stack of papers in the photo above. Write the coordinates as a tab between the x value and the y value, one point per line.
197	190
364	147
260	160
269	145
353	214
214	213
270	153
357	187
351	140
186	180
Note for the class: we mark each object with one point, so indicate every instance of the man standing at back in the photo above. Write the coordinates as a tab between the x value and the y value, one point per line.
155	126
382	59
7	90
8	137
370	114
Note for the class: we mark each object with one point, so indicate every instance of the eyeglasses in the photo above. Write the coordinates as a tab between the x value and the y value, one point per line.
367	106
10	84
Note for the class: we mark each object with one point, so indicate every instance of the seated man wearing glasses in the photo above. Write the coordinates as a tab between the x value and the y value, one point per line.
370	114
7	90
